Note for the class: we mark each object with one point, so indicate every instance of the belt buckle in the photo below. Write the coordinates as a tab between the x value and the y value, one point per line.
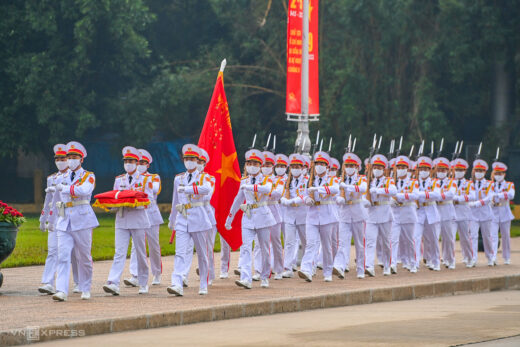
254	205
187	206
69	204
318	203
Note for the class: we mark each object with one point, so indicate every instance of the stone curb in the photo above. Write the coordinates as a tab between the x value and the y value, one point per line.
296	304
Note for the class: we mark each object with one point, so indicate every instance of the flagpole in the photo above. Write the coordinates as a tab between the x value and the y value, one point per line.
303	123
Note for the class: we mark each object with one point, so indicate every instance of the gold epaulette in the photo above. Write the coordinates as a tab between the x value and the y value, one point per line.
123	175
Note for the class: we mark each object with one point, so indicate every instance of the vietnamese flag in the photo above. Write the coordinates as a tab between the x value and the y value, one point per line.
217	139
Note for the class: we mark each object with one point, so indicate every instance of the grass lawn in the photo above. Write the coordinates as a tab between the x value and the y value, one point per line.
31	243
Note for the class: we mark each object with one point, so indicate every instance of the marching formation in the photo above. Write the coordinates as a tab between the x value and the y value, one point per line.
300	214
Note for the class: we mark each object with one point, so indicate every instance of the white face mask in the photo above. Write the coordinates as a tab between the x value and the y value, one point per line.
296	172
252	170
130	167
267	171
333	172
280	171
350	171
424	174
499	178
479	175
73	163
459	174
441	175
401	172
190	164
62	165
320	169
378	172
142	168
409	174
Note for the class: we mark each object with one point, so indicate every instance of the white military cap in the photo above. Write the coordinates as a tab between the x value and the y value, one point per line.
269	157
60	150
74	147
480	164
255	155
351	158
379	159
130	152
282	159
145	155
402	160
424	162
190	150
498	166
322	157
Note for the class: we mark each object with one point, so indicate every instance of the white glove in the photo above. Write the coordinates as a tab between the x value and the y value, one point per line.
181	189
285	201
309	201
170	225
50	189
50	226
475	203
351	188
313	189
62	187
43	226
249	187
343	185
373	191
340	200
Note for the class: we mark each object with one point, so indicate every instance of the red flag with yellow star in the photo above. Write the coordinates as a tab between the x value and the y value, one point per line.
217	139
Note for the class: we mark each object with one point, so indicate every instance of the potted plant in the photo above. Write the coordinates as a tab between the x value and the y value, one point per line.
10	220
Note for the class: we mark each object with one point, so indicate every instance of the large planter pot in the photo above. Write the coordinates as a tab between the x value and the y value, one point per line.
8	233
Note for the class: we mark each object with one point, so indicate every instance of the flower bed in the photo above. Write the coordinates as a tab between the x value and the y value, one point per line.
9	214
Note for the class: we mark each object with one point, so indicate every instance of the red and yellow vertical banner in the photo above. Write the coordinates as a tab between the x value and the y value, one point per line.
294	58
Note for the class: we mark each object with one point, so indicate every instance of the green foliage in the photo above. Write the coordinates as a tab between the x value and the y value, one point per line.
145	69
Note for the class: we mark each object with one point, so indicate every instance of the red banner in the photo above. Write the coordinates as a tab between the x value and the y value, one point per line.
294	58
217	139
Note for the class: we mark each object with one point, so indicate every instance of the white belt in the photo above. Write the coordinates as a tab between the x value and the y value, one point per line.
463	203
430	203
272	203
328	202
248	207
498	204
60	205
403	204
381	203
183	208
447	202
354	202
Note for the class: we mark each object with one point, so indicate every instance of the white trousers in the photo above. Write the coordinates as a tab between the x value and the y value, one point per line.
372	233
79	242
316	235
395	237
275	251
225	255
429	233
505	234
466	243
346	232
154	250
51	262
122	239
292	232
184	241
246	250
486	228
406	244
448	233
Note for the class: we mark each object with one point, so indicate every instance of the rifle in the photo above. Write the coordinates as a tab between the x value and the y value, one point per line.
347	149
419	153
369	170
311	168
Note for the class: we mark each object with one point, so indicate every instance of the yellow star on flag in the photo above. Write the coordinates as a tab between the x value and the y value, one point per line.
227	171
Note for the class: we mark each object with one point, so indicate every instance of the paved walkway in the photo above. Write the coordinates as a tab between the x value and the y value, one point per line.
21	305
443	321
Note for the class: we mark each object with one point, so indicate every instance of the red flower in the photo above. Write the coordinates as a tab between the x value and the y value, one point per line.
6	212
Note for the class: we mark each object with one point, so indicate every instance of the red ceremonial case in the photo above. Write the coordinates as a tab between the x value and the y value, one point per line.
121	198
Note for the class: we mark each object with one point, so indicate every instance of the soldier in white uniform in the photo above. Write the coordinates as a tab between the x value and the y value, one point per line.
257	220
48	219
189	218
76	219
295	213
155	218
130	222
447	189
405	217
321	217
428	227
482	213
379	222
465	194
275	244
352	216
504	194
